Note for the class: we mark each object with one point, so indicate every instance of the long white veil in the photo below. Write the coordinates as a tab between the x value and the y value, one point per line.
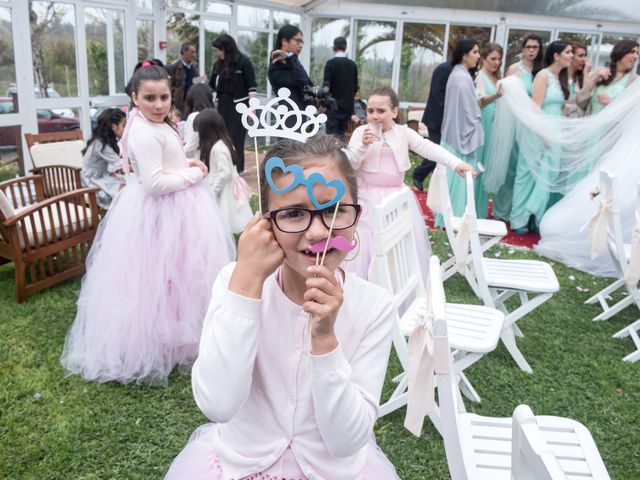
563	228
577	145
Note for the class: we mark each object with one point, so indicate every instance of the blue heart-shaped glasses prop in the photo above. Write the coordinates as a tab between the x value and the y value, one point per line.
310	182
296	170
315	178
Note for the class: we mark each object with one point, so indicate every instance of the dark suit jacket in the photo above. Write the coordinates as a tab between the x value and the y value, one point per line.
291	74
434	110
341	76
178	75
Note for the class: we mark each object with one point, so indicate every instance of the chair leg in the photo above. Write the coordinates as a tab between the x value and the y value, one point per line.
631	330
618	307
509	339
21	281
605	292
467	389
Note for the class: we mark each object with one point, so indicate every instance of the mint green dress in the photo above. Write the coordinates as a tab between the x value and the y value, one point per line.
613	90
530	198
504	198
488	112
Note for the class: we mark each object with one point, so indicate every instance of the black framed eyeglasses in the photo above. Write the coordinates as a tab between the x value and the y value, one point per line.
298	219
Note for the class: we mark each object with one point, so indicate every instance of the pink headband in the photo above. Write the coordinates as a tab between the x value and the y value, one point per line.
146	63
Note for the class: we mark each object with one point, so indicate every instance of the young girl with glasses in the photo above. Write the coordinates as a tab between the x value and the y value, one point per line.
293	355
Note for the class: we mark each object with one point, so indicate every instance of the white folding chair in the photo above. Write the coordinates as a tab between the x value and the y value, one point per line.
498	280
630	277
481	448
475	329
620	252
490	231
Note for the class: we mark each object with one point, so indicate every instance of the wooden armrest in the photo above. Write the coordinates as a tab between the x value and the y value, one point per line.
26	179
65	197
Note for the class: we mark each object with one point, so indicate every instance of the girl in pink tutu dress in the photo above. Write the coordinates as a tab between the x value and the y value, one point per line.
154	259
379	151
292	356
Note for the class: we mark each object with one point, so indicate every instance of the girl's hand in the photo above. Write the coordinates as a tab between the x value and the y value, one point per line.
588	65
463	168
604	99
323	299
368	137
604	73
259	255
200	165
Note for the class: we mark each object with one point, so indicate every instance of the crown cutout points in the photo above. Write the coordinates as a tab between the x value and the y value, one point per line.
270	120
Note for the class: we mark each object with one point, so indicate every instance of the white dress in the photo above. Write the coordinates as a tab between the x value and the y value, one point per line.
230	189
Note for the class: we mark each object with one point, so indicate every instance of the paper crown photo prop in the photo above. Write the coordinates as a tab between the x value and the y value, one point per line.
298	179
270	120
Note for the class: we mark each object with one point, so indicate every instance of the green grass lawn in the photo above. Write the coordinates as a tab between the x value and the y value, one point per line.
63	428
53	427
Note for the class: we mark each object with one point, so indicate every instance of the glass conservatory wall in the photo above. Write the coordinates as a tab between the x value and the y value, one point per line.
375	53
104	33
423	49
53	43
323	31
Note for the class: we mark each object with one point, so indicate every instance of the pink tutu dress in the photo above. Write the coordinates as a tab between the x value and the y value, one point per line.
150	270
198	461
372	189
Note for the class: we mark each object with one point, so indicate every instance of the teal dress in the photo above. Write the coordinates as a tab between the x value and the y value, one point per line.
488	112
503	199
613	90
530	198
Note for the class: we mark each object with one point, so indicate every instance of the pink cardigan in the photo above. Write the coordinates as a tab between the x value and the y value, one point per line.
401	139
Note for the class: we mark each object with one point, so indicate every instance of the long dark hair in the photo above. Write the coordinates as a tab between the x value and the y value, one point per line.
464	46
578	75
558	47
225	67
537	62
287	32
620	49
104	131
199	97
211	127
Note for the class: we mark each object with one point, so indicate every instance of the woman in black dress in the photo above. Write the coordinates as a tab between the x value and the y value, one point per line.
233	79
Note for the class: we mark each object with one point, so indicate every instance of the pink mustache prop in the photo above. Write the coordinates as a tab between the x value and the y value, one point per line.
337	242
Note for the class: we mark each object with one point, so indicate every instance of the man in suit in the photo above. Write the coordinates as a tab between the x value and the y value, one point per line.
341	78
432	118
182	73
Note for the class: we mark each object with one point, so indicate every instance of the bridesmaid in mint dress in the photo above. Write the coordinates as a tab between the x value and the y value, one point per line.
487	92
525	69
462	133
606	84
550	92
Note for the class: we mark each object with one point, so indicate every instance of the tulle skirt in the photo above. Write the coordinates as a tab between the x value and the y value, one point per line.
198	461
147	287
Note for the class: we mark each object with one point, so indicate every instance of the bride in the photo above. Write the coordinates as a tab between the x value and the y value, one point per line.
609	140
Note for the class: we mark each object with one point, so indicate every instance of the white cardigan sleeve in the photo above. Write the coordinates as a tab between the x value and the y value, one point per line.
346	394
427	149
220	164
356	149
222	375
147	152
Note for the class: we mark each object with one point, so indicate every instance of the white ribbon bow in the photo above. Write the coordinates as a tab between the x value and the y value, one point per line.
428	355
633	272
598	229
463	239
434	194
